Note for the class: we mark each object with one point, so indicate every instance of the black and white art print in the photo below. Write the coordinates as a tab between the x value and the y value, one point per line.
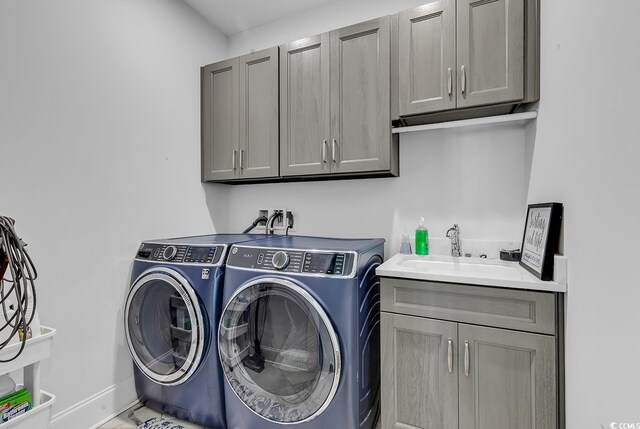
541	237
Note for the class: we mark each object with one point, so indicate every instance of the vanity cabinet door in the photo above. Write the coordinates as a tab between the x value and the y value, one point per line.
490	51
507	379
220	120
419	373
427	56
259	128
361	139
304	107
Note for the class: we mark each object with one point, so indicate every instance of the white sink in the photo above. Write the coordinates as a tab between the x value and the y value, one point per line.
450	265
476	271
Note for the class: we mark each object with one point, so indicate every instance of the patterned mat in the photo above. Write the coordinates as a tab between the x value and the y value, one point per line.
159	423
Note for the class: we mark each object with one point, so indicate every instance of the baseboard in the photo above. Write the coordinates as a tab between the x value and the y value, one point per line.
97	409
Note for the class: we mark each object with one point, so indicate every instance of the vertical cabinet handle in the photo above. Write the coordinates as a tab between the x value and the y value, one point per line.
464	80
450	355
334	143
233	159
466	358
450	81
324	151
241	158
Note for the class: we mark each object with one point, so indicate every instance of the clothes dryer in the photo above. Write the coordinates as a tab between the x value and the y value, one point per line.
299	336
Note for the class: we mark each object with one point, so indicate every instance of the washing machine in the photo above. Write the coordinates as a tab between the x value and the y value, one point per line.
171	317
299	336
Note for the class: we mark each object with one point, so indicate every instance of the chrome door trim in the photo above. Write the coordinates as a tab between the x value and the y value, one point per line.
325	319
181	285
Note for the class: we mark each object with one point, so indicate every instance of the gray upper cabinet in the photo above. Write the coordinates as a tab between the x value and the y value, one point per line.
419	373
506	379
463	54
240	132
361	97
219	120
427	58
304	107
259	104
335	102
490	50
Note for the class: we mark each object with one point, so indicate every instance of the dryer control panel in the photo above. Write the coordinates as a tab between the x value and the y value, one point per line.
180	254
306	262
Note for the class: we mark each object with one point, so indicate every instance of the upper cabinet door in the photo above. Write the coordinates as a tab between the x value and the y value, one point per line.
304	106
507	379
220	120
259	128
360	97
427	69
490	51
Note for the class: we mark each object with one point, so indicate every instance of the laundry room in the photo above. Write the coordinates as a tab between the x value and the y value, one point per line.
355	214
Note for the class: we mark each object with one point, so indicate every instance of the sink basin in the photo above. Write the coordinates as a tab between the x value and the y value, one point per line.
472	271
466	266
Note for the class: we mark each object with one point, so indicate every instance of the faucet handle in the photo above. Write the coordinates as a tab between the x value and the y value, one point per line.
455	230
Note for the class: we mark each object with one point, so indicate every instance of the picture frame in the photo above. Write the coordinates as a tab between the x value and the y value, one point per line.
541	238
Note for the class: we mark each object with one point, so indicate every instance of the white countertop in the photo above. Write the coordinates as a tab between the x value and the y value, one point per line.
473	271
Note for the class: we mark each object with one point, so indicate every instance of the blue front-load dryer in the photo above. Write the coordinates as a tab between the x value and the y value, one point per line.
171	315
299	334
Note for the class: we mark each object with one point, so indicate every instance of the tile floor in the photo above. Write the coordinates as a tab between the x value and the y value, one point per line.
124	421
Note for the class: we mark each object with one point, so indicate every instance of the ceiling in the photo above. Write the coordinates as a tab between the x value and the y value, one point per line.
233	17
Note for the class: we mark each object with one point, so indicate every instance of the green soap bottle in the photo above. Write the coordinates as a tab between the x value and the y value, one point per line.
422	238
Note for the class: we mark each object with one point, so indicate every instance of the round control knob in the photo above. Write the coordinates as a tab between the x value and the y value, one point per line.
169	253
280	260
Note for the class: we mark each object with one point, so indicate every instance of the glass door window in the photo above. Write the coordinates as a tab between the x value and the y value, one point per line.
164	326
279	351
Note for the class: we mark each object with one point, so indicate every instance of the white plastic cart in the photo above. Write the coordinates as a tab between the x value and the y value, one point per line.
36	350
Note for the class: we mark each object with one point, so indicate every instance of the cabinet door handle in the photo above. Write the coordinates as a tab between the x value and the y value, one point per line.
334	143
450	355
464	80
450	81
324	151
466	358
233	159
241	158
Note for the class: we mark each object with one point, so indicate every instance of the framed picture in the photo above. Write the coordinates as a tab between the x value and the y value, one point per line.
541	238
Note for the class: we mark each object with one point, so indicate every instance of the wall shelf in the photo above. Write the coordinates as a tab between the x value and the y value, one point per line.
514	117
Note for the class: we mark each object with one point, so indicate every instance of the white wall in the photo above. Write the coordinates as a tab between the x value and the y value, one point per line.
471	176
99	149
582	151
586	155
323	18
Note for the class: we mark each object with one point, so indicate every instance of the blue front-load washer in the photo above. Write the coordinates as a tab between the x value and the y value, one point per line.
171	315
299	334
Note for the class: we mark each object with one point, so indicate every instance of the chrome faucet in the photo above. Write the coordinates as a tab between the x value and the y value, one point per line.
454	235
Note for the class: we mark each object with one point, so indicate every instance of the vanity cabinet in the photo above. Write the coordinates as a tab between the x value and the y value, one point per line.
461	356
460	54
240	133
335	103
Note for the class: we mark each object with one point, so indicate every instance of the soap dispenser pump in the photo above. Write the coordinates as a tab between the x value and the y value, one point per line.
422	238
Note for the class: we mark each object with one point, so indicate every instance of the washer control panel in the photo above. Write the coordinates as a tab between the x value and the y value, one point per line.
180	254
312	262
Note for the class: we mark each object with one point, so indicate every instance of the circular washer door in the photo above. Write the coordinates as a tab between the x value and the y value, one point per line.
279	351
164	326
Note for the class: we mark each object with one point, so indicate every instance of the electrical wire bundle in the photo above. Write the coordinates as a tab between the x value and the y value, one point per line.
17	289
